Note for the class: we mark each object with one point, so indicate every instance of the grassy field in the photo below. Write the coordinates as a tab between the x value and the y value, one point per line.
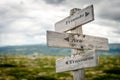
21	67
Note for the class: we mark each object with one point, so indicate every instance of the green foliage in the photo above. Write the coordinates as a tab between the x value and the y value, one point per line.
114	70
21	67
7	65
108	69
44	78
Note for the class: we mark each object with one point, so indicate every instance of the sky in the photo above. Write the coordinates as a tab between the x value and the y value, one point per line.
25	22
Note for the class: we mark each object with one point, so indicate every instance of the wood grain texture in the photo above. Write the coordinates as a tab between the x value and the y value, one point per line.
79	18
76	41
88	59
78	74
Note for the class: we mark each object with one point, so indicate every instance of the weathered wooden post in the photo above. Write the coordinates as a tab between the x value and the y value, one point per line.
84	46
77	74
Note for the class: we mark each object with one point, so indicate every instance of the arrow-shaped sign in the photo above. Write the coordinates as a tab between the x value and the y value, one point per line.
88	59
79	18
76	41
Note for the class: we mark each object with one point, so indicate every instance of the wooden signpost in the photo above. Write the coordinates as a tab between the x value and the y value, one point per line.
83	46
76	41
85	60
78	18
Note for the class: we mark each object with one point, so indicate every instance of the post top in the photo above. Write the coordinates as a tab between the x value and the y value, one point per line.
72	11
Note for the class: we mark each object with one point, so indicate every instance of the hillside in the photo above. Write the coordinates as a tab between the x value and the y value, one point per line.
43	49
20	67
30	49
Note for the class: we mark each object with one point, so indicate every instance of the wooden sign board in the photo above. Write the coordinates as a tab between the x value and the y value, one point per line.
76	41
79	18
86	60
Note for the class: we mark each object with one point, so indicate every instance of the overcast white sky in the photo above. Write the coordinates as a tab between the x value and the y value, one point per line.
26	21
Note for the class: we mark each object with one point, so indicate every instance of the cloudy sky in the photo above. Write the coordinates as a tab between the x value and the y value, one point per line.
26	21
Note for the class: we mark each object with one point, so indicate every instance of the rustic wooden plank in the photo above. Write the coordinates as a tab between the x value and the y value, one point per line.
79	18
76	41
80	73
86	60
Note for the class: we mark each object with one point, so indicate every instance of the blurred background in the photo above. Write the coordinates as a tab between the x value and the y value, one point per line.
24	54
